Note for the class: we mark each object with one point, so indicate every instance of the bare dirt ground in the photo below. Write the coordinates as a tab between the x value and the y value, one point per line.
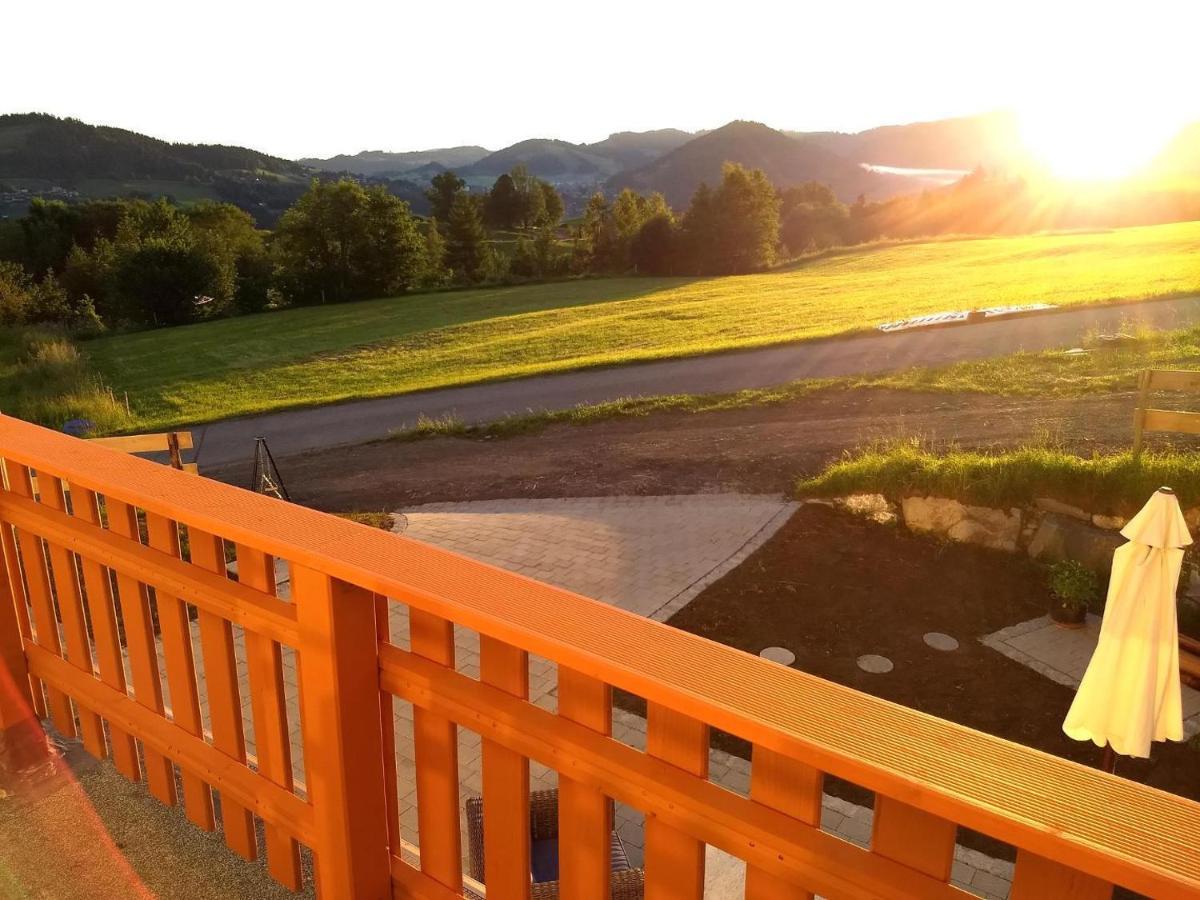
755	450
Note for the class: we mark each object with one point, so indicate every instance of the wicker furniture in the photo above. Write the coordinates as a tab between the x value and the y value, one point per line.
627	883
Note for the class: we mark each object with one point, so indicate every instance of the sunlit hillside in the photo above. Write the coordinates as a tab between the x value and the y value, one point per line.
324	354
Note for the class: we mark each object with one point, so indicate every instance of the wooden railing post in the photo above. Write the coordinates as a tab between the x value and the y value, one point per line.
339	697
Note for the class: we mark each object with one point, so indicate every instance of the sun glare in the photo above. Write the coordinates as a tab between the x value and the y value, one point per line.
1093	144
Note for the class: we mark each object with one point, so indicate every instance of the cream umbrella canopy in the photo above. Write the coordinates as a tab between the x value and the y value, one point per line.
1130	693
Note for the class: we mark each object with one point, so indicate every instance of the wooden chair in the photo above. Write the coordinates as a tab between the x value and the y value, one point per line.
173	443
627	883
1147	419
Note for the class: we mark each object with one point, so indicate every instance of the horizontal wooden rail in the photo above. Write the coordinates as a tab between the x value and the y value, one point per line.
191	753
766	838
1173	380
254	610
1067	814
1171	420
145	443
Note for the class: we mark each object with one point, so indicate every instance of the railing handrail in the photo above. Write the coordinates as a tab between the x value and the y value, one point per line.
1084	818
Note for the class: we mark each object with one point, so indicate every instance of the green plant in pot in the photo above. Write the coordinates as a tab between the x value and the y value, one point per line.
1073	586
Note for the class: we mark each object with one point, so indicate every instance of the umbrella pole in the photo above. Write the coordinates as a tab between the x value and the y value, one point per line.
1108	759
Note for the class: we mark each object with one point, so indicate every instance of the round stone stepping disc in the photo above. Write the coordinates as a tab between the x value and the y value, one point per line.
781	655
875	664
939	641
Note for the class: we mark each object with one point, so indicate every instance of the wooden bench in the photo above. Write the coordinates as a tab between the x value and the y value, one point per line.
172	443
1147	419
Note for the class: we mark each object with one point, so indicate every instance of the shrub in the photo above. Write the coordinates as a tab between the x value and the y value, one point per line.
1073	584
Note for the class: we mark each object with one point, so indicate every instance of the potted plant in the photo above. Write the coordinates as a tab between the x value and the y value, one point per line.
1073	586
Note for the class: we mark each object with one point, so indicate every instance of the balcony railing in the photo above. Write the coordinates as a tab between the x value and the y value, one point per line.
111	557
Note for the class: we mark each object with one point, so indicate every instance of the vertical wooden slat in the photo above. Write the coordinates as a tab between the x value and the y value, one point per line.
387	728
268	705
105	634
70	609
339	693
22	743
793	788
435	745
675	860
18	630
176	635
913	837
143	653
224	698
506	833
40	599
584	813
1037	877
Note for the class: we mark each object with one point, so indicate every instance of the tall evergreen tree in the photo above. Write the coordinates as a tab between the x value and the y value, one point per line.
466	239
436	271
503	208
444	187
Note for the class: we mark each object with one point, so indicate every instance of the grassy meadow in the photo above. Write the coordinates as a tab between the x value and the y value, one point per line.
319	355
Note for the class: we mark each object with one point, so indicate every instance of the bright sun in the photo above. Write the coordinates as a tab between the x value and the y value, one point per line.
1093	144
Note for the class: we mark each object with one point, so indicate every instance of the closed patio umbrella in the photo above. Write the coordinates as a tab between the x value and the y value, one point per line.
1130	694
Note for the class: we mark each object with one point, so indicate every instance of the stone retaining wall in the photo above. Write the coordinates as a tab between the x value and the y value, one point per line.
1047	530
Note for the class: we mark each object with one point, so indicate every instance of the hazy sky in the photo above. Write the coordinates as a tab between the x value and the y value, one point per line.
300	79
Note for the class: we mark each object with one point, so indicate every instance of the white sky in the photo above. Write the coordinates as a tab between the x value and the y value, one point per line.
306	79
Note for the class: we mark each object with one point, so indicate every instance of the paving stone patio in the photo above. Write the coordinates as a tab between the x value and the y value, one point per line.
1062	655
650	555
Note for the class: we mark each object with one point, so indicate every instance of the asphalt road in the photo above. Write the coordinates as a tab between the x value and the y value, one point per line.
232	441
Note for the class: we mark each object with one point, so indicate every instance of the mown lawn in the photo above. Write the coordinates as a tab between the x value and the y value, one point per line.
1054	373
327	354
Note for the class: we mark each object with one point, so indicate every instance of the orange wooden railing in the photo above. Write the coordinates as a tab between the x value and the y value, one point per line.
98	552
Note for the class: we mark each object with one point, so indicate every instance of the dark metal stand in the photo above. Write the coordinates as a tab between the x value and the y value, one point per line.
265	478
1108	759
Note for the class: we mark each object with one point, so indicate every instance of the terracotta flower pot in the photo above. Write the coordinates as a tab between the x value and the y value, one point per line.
1068	615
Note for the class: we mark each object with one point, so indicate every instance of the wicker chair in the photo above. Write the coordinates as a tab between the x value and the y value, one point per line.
627	883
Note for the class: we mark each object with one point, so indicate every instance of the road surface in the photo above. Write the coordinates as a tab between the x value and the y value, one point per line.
294	431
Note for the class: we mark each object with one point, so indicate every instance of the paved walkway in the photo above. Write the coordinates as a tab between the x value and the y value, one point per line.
232	442
1063	654
650	555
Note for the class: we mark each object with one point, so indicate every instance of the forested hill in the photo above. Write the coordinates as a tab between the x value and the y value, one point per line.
786	161
42	154
35	145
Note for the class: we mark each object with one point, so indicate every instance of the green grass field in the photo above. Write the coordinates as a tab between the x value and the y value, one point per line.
326	354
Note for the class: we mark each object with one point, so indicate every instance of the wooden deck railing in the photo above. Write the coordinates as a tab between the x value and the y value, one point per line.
114	549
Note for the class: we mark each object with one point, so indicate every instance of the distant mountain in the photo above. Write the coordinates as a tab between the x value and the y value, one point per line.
380	162
44	155
785	160
991	140
632	149
550	159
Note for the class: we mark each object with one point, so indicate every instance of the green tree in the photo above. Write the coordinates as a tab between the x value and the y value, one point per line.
734	229
443	190
341	241
163	282
389	259
552	205
229	235
654	248
503	208
812	226
466	240
436	271
598	238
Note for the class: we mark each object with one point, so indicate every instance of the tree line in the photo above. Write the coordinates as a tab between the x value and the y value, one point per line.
123	263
